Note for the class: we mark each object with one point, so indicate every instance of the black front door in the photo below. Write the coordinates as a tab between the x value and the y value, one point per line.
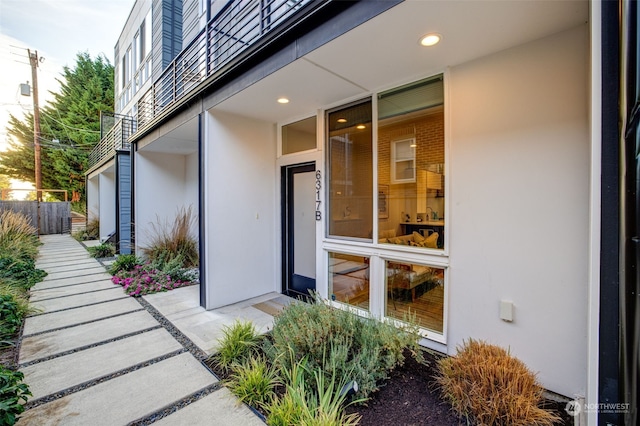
298	230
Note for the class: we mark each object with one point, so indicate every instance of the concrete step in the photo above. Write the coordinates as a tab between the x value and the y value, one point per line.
125	398
55	342
69	317
61	373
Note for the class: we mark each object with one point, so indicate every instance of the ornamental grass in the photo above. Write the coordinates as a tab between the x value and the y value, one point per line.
485	383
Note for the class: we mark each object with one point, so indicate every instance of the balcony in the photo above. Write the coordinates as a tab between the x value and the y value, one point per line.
239	25
115	132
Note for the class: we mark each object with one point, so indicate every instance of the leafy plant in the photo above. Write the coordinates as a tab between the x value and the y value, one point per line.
238	342
253	382
339	343
21	270
124	262
174	240
13	394
320	404
485	382
10	316
102	250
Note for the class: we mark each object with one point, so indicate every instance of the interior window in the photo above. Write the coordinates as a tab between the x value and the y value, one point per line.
415	293
350	172
411	165
349	279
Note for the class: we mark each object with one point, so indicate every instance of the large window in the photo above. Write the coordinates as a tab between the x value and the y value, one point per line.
350	172
411	165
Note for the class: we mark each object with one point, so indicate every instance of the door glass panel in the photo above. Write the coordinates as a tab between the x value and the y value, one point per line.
349	279
299	136
415	291
304	225
350	165
411	164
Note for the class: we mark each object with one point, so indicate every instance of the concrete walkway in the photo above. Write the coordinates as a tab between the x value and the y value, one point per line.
94	356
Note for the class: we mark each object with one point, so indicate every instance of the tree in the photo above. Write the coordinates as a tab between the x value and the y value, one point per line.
69	128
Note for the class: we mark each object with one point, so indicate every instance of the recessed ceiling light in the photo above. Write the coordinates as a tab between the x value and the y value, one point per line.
361	126
342	120
430	39
283	100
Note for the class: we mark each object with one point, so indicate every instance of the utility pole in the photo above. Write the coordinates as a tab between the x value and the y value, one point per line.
33	59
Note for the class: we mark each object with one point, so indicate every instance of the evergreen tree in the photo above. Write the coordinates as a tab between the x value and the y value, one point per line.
69	129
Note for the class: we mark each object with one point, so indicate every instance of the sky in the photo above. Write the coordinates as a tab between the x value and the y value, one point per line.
57	30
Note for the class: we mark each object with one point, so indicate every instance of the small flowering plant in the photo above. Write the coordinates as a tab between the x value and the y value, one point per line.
145	279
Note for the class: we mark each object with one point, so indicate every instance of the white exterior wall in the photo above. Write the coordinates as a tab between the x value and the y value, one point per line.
240	204
162	188
106	203
519	171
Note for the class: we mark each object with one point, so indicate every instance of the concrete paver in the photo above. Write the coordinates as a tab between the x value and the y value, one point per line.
220	405
71	265
71	280
74	369
59	303
69	317
69	290
75	273
126	398
55	342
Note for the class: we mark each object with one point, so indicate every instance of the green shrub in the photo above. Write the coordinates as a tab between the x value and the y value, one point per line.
102	250
10	316
21	270
124	262
174	240
338	342
253	382
486	383
13	394
239	341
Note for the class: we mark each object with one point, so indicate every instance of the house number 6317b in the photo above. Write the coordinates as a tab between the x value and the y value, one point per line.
318	202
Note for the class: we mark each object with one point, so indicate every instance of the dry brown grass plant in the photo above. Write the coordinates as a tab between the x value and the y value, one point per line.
173	240
486	383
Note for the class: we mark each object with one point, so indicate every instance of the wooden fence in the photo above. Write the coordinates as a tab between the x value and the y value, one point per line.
50	217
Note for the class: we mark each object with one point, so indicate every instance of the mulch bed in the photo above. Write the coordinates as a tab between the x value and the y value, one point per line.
411	397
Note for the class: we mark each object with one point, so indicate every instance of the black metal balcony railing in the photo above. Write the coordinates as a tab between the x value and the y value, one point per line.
115	131
236	27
